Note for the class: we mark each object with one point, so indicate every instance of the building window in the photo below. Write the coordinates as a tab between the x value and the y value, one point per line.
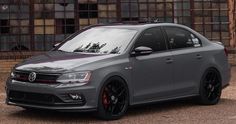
182	13
64	10
38	24
44	26
220	27
88	10
4	27
144	11
65	26
129	11
211	19
43	10
14	25
107	11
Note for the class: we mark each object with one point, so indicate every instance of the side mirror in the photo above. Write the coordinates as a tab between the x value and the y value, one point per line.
55	45
142	50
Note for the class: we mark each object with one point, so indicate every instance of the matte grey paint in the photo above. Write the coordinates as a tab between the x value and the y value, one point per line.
159	76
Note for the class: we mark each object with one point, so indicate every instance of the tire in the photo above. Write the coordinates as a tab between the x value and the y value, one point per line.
210	87
113	99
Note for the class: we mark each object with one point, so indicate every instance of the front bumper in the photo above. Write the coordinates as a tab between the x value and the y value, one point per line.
44	96
62	109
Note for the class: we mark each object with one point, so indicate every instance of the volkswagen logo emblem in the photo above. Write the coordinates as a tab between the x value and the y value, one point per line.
32	77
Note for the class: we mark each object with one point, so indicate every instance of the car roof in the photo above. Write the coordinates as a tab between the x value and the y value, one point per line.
141	26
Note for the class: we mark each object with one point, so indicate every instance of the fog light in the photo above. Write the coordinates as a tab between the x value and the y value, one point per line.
75	96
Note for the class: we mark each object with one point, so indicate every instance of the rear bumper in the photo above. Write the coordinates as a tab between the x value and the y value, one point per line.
226	76
50	97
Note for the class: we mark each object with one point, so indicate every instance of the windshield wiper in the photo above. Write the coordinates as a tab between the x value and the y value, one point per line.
60	50
78	50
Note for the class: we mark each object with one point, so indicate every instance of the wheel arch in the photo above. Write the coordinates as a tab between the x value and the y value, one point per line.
204	73
217	70
113	75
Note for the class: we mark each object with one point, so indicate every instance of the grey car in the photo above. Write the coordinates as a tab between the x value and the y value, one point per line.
108	68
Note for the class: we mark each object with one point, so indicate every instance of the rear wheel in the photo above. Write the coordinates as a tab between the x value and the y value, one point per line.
210	87
113	99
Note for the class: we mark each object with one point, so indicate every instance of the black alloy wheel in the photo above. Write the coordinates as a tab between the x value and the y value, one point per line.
210	89
113	101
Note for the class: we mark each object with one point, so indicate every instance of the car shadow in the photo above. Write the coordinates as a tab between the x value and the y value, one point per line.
133	112
161	106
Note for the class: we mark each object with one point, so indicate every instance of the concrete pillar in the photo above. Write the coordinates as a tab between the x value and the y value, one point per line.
232	21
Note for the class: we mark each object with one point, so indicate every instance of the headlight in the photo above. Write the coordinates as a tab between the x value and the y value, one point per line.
13	75
76	77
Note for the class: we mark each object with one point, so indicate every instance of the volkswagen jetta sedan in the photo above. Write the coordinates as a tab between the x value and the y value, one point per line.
106	69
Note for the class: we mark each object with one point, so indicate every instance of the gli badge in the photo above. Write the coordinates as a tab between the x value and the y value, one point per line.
32	77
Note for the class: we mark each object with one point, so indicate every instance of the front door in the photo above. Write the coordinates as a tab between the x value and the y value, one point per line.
152	74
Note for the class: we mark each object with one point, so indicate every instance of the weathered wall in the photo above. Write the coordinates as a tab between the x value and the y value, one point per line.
232	21
7	65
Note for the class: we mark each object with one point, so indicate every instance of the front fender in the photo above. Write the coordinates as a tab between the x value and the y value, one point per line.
100	76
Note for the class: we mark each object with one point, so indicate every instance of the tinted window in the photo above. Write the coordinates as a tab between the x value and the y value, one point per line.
196	41
152	38
180	38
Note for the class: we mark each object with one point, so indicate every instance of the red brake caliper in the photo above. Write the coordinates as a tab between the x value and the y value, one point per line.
105	100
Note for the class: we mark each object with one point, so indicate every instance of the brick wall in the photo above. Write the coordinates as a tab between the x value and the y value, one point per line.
7	65
232	24
9	59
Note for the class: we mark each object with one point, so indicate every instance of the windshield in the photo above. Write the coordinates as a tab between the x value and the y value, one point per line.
100	40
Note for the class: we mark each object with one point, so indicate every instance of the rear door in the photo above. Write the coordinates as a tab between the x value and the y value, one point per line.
187	60
152	74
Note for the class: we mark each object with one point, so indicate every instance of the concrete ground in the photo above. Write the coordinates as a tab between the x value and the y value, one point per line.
176	112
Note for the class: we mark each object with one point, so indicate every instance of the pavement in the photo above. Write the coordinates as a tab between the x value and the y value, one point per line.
232	59
174	112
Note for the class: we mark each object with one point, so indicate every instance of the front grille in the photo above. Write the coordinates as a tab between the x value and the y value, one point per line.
40	78
33	98
40	99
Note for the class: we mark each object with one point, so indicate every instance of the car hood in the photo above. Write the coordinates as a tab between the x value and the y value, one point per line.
59	62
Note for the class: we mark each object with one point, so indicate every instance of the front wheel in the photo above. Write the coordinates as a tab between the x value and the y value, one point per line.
210	87
113	99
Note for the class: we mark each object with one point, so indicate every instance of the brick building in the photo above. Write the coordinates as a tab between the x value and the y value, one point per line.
31	26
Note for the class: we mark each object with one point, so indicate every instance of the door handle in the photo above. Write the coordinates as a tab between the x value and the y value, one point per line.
169	60
198	56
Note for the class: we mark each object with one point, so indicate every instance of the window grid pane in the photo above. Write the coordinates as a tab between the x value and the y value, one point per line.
38	24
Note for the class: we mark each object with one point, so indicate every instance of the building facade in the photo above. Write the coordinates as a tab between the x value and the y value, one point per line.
35	25
233	24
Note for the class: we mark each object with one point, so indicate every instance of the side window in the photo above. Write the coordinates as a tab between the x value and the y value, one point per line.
180	38
152	38
196	41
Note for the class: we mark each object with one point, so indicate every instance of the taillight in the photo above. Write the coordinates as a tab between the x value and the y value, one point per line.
226	52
